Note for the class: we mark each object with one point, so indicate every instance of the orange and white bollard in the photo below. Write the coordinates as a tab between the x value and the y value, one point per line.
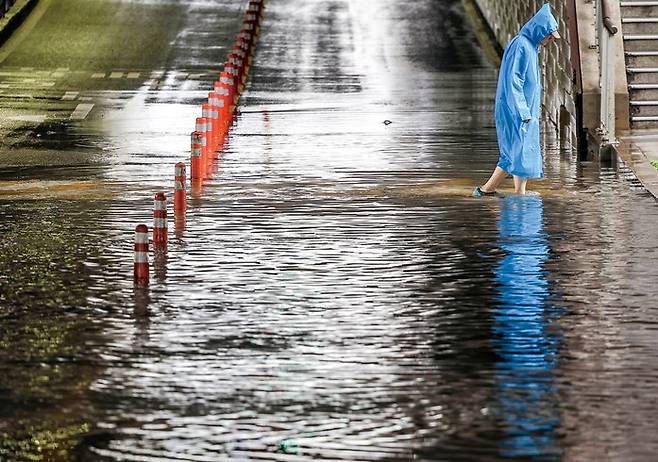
180	190
226	111
203	126
141	266
211	115
160	232
233	70
197	164
226	78
217	103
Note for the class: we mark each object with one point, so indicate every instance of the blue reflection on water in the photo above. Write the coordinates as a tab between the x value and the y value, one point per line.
526	350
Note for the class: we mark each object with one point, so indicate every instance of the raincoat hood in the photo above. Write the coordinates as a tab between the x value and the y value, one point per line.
540	26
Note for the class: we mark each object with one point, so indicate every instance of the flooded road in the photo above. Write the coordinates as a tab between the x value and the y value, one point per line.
336	294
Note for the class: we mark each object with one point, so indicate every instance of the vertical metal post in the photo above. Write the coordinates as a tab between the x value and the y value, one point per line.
606	30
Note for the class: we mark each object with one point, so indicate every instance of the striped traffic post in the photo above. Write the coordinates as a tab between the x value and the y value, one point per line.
211	115
141	265
217	103
197	170
160	232
202	126
180	190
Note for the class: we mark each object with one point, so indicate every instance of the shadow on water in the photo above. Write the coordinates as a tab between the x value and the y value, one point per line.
521	336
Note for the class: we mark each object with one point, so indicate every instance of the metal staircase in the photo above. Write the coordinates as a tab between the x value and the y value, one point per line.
640	31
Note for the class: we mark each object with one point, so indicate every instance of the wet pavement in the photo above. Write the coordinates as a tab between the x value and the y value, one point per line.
335	294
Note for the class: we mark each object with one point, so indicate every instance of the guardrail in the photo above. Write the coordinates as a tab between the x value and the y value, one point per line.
606	30
5	5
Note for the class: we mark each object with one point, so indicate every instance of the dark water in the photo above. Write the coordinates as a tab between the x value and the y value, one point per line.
336	294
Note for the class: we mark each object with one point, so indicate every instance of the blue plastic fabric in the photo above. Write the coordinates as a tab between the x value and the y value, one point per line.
518	98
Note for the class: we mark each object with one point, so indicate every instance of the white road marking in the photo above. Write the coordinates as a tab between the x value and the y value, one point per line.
29	118
47	84
70	95
27	68
98	75
133	75
116	75
58	74
29	80
197	76
62	69
4	85
156	74
86	98
82	111
182	75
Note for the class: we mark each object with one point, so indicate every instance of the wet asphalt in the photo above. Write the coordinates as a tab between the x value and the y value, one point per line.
335	293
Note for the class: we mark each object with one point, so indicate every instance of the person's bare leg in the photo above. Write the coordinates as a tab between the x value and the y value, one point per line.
497	176
519	184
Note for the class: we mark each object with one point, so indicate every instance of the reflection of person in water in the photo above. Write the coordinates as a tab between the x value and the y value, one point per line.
526	351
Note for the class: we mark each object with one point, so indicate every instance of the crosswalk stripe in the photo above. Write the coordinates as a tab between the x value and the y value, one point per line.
70	95
81	111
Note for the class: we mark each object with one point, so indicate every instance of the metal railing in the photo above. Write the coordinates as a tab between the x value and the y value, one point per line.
5	5
606	30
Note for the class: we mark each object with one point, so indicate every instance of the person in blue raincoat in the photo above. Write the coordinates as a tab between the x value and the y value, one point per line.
518	105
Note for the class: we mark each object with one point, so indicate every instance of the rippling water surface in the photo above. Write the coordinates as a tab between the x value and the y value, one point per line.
335	293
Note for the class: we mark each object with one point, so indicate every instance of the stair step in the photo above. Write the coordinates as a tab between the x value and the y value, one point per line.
644	110
639	43
640	70
642	75
638	20
639	9
641	37
644	118
643	86
639	3
647	27
644	103
641	53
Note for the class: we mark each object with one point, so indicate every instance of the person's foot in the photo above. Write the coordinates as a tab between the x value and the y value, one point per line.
477	192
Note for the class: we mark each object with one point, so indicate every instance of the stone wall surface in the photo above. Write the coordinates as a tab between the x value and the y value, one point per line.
505	18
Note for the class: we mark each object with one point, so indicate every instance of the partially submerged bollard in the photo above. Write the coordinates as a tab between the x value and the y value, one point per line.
180	190
204	127
141	266
197	166
160	232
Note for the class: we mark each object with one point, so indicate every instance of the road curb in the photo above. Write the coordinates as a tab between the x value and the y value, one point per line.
14	17
637	159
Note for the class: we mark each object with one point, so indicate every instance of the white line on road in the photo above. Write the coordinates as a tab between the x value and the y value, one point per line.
81	111
98	75
86	98
133	75
116	75
70	95
29	118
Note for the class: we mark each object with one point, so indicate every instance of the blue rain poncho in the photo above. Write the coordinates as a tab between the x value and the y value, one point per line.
518	98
